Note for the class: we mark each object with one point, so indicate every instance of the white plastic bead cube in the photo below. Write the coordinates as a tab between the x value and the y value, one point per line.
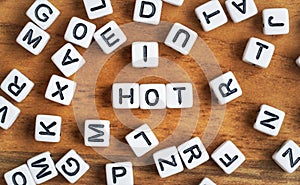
288	156
68	60
119	173
193	153
142	140
42	168
240	10
19	175
126	95
43	13
276	21
269	120
207	181
33	38
298	61
72	166
181	38
228	157
168	162
97	8
60	90
48	128
16	85
174	2
145	54
110	37
179	95
153	96
8	113
80	32
258	52
211	15
226	88
147	11
97	133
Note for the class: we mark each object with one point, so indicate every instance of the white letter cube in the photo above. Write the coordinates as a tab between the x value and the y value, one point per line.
145	54
8	113
80	32
68	60
153	96
207	181
42	168
228	157
298	61
16	85
142	140
193	153
174	2
110	37
126	95
97	133
48	128
211	15
60	90
72	166
269	120
226	88
276	21
240	10
288	156
119	173
97	8
258	52
147	11
179	95
181	38
19	175
43	13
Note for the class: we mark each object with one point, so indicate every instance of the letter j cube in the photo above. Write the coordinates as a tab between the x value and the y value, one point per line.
97	133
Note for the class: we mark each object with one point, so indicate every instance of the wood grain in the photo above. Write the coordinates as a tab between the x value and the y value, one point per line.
277	86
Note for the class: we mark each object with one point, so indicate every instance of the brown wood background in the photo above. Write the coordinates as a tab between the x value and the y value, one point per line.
277	86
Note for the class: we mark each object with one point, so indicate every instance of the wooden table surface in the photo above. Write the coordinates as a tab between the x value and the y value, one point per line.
278	86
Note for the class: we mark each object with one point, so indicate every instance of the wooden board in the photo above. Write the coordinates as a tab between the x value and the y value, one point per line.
277	86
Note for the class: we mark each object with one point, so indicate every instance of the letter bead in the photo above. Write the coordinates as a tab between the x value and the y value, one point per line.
48	128
147	11
126	95
97	8
8	113
97	133
276	21
19	175
119	173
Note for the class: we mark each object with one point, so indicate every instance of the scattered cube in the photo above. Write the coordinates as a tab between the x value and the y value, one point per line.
110	37
276	21
60	90
168	162
147	11
207	181
68	60
240	10
258	52
97	133
96	9
33	38
43	13
193	153
142	140
119	173
8	113
174	2
145	54
298	61
181	38
42	168
72	166
179	95
19	175
48	128
16	85
80	32
226	88
153	96
228	157
269	120
211	15
126	95
288	156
